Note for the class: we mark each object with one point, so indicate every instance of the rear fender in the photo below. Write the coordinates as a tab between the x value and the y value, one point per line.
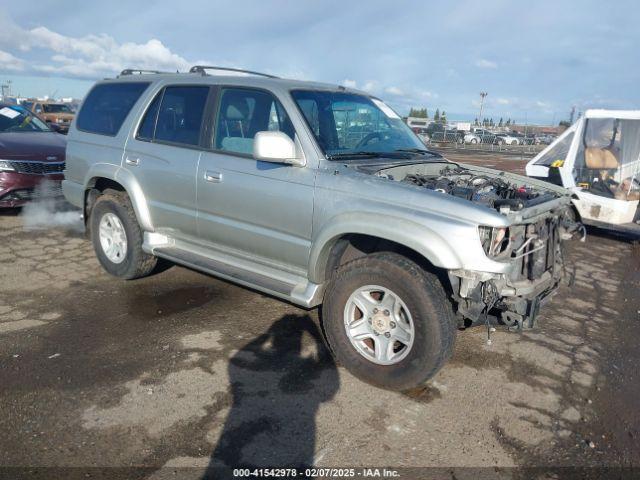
130	185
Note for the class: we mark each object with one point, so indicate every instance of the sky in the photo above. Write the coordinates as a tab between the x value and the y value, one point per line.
534	59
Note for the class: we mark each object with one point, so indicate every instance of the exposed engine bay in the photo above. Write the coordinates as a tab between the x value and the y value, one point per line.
494	192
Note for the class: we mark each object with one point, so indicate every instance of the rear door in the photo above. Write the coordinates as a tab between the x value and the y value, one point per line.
249	207
163	156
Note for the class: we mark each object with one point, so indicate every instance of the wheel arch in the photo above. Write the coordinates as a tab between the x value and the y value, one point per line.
346	240
116	178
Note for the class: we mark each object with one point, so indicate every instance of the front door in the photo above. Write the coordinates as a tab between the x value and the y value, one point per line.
251	208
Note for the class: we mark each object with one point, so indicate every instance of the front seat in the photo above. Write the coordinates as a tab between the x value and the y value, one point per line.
232	127
600	159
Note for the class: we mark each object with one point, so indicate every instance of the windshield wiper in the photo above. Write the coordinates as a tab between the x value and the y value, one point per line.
343	155
419	151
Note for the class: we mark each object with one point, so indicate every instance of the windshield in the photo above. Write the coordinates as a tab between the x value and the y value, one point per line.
347	124
18	119
558	152
56	108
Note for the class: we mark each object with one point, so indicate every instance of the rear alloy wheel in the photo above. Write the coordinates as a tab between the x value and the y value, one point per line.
388	321
113	238
514	142
117	237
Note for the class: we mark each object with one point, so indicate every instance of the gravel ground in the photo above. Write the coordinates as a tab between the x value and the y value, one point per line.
180	373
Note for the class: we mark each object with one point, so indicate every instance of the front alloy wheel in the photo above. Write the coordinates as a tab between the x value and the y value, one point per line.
388	321
379	325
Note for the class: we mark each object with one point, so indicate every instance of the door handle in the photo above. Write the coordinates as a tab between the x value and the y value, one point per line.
132	161
213	177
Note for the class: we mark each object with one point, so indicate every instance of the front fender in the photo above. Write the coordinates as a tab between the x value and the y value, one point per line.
416	236
129	183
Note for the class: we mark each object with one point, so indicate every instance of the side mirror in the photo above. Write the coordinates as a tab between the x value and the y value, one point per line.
55	127
276	147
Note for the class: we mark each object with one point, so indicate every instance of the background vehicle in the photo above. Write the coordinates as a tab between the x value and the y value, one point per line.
472	138
544	139
58	114
317	195
484	136
30	152
598	160
506	139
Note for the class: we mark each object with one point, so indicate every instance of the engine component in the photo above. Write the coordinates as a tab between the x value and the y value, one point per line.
491	192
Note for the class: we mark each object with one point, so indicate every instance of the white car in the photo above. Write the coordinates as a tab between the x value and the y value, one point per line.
472	138
506	139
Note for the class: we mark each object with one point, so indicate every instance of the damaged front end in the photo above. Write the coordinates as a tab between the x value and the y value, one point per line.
530	248
537	266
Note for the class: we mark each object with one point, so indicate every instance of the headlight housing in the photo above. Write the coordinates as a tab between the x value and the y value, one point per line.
6	166
494	239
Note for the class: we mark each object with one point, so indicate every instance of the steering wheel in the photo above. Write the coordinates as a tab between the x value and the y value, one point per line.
367	138
377	135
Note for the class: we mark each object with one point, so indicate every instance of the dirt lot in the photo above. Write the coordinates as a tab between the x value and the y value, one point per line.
190	373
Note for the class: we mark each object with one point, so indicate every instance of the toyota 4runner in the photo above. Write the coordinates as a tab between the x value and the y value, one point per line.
317	194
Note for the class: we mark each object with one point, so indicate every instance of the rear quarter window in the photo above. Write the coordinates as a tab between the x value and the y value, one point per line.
107	105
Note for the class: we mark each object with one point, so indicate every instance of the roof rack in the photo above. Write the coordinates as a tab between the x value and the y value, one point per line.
134	71
203	68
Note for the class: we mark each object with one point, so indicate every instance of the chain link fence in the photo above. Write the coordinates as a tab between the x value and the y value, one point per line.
488	143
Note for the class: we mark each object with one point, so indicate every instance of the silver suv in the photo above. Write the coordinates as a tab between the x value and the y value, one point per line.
317	194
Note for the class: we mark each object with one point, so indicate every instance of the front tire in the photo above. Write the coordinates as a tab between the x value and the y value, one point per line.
388	321
117	237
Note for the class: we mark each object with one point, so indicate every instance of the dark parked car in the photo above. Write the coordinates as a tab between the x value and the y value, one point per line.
30	152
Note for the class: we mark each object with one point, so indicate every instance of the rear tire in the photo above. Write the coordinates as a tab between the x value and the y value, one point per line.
113	217
426	309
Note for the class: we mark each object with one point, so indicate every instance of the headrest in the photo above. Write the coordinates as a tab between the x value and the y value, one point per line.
600	158
236	109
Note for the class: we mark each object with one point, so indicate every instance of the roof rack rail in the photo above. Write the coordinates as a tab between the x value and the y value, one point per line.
133	71
202	69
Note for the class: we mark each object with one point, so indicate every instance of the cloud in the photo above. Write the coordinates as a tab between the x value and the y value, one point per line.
370	86
394	91
89	56
349	83
503	101
10	62
484	63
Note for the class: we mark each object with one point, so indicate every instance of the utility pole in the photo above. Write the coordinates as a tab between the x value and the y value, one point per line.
482	95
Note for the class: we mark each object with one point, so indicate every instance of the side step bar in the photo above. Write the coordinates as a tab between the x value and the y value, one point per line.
304	294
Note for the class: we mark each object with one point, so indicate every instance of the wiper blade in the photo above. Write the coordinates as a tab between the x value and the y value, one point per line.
419	151
357	155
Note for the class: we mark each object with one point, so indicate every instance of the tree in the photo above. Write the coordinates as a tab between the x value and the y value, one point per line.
500	123
418	113
436	116
475	122
491	124
508	122
443	117
564	123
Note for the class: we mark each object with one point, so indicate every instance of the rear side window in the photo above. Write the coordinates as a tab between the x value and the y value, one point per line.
107	105
180	115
